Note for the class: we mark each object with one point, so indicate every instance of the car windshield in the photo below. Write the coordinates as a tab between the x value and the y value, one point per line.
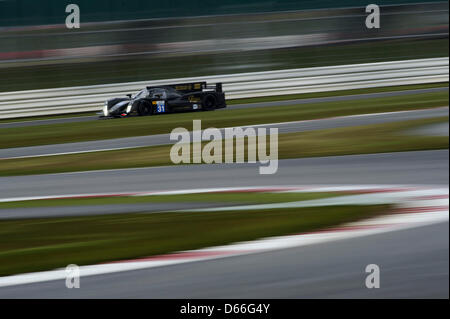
157	94
140	94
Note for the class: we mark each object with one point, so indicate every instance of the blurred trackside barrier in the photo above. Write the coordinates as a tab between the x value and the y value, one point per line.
253	39
31	12
243	85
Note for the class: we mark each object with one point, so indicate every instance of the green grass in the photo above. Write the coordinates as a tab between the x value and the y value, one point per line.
375	138
43	244
378	138
95	130
244	198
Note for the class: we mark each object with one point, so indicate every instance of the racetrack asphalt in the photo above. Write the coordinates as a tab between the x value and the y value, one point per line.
404	168
89	210
163	139
327	270
437	129
237	106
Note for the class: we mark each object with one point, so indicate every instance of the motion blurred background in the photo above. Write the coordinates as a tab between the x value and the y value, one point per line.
357	144
121	41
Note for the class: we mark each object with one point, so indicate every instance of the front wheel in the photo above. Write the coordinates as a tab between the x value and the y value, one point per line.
144	109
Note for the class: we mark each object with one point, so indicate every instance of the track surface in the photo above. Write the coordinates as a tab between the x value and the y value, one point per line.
328	270
63	120
163	139
439	129
413	168
86	210
240	106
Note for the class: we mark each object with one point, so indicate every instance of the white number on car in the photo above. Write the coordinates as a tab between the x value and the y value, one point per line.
160	106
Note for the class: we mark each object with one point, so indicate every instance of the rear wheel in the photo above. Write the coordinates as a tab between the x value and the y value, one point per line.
144	109
209	102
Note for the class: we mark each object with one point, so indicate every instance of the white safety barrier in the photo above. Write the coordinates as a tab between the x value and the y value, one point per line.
243	85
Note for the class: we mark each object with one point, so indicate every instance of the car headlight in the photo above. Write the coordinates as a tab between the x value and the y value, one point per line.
105	109
130	105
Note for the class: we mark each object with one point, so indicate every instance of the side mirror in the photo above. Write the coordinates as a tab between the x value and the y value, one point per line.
129	95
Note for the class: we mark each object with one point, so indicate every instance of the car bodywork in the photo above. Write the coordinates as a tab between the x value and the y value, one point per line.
167	99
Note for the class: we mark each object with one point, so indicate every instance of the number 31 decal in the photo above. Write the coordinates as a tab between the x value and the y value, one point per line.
160	107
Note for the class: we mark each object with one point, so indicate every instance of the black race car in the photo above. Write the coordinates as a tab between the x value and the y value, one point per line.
167	99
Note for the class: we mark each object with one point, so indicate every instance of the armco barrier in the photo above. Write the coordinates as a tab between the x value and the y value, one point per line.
342	77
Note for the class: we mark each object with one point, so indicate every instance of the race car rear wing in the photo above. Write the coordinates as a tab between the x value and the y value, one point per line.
217	87
191	87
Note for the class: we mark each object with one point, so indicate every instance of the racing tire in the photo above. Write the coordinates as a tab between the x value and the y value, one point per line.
144	109
209	102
